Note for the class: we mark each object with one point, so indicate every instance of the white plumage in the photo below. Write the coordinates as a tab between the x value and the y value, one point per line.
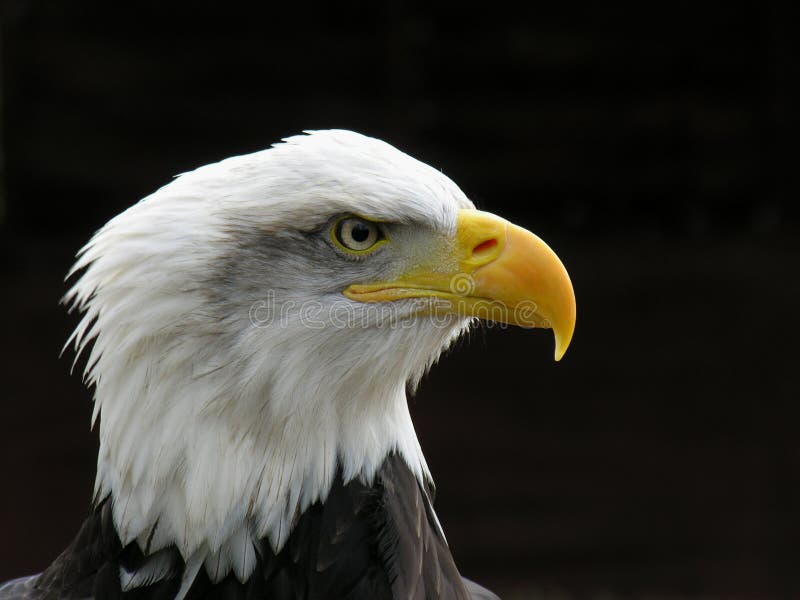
215	429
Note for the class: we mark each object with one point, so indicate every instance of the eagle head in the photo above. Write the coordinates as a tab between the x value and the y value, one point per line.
252	327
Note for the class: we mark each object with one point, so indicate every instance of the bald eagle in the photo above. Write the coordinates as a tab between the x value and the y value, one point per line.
251	331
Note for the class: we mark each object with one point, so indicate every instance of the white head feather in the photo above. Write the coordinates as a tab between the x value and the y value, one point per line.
217	429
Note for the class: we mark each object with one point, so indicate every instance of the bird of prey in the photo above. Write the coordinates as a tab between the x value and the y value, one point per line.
252	330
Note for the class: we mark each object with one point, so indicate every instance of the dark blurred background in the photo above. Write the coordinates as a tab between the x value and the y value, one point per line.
654	148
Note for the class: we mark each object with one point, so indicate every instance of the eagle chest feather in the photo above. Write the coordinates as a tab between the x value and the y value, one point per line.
378	542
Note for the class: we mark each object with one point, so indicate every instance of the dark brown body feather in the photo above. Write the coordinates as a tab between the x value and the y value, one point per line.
364	543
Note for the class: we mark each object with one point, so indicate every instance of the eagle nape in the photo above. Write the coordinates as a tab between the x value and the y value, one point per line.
252	329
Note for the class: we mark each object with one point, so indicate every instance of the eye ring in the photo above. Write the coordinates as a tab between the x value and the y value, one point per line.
355	235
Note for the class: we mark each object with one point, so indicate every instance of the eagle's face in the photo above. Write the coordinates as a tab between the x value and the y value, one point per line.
372	261
268	311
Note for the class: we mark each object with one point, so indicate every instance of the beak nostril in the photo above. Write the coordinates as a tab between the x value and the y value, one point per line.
484	247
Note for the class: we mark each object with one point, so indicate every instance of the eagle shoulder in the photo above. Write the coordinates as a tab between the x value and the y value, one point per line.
377	542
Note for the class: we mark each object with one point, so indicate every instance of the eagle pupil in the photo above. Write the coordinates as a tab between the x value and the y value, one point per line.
360	233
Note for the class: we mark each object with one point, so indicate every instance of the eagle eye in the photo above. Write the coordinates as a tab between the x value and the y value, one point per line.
356	236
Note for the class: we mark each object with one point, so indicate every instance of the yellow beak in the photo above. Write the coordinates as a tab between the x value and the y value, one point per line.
492	270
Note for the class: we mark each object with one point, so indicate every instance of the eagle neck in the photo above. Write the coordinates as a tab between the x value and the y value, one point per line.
216	476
